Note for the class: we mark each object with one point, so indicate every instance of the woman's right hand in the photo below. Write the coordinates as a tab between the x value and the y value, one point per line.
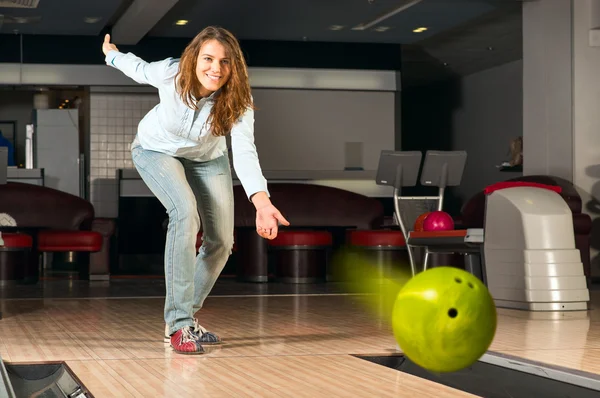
107	45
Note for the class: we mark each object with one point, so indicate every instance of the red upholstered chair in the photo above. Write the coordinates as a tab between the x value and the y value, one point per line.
385	248
71	241
14	251
65	222
301	256
305	206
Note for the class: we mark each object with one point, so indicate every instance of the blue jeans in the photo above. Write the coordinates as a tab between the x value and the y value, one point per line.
195	195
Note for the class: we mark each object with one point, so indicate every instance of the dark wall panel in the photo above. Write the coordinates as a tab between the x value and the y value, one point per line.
87	50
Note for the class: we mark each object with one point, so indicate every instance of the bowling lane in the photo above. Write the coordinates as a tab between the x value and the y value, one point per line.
263	376
275	345
283	345
569	339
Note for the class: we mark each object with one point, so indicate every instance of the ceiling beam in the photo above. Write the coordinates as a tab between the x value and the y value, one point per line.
139	19
387	15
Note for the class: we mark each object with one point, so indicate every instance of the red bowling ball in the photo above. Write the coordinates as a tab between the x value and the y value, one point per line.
438	221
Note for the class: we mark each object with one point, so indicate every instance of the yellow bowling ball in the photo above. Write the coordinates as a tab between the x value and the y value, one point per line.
444	319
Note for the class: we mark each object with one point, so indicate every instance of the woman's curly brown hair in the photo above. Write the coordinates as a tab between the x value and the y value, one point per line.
234	97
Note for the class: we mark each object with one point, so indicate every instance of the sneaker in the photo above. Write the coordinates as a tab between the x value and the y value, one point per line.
185	341
204	336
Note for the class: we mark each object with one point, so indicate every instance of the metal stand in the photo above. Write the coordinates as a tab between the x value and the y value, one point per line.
442	169
400	169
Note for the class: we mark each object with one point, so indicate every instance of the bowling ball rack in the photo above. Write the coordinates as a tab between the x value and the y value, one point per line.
399	169
501	376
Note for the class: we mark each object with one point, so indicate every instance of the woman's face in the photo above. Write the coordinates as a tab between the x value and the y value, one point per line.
213	67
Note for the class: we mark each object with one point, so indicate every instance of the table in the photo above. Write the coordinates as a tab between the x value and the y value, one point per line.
466	241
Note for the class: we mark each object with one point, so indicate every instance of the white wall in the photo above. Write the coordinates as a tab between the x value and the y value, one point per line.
586	126
113	124
562	99
547	88
490	116
308	129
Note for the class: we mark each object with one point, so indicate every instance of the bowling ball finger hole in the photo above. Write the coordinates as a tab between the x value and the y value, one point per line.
470	285
452	313
458	280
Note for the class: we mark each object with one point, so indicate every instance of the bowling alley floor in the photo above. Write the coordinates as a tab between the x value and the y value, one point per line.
279	341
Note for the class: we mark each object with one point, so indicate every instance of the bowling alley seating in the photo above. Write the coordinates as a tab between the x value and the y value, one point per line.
14	249
301	256
473	213
386	248
58	222
311	210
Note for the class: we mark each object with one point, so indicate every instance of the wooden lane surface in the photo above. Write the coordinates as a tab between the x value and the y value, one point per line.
286	346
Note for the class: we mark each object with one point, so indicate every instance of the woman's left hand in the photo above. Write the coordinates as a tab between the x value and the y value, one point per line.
268	219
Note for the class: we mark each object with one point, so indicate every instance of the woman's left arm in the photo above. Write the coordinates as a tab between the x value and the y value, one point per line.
247	168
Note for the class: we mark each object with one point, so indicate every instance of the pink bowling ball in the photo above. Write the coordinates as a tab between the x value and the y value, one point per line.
438	221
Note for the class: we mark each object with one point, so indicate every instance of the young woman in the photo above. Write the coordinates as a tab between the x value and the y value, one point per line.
181	154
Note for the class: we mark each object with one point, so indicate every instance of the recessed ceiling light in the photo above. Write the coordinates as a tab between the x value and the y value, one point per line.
336	27
419	30
182	22
92	19
382	28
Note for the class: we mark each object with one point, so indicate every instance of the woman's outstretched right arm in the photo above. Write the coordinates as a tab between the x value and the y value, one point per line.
152	73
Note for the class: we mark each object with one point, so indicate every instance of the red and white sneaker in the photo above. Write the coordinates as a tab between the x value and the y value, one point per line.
185	341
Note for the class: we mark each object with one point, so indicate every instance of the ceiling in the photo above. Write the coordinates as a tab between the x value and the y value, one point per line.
482	43
466	35
312	19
